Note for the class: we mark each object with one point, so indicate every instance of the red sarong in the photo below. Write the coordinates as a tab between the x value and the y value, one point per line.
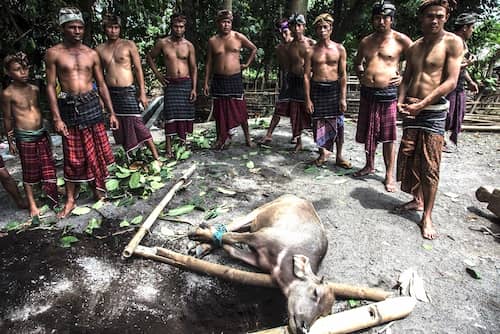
131	133
179	128
299	118
419	159
376	123
282	108
87	154
2	164
229	113
456	113
38	166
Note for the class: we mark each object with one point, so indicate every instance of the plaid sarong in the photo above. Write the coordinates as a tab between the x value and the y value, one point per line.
227	86
80	110
377	118
124	101
431	119
131	133
176	104
296	87
299	118
456	114
419	159
37	162
179	128
2	163
284	94
328	130
87	154
229	114
325	98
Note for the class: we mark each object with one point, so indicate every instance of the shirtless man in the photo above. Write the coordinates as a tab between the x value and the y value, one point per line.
431	73
223	61
26	134
282	106
464	27
120	60
297	52
77	113
325	91
377	67
179	83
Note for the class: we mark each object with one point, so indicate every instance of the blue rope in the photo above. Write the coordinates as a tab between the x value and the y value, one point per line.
220	229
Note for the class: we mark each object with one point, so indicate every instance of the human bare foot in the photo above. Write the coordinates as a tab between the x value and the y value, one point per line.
250	143
412	205
68	207
390	185
343	163
266	140
364	171
297	148
323	157
428	230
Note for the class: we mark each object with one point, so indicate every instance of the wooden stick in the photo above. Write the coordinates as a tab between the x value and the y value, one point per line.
487	128
358	318
129	250
245	277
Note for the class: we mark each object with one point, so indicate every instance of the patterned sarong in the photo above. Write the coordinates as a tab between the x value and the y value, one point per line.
80	110
328	131
431	119
227	86
456	113
283	104
125	101
377	117
2	163
178	111
325	98
87	154
131	133
36	160
296	87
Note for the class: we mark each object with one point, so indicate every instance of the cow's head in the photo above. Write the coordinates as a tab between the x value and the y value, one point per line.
308	297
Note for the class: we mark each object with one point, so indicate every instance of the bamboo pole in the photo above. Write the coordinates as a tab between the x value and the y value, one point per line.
486	128
129	250
245	277
358	318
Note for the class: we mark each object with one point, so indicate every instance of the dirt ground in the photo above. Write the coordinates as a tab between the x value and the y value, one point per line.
88	288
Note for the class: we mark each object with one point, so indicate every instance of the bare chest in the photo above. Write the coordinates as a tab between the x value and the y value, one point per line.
173	52
388	50
75	61
429	58
115	55
225	47
325	57
24	99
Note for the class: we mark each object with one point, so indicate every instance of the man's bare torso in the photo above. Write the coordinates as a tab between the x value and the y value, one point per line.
24	106
226	53
325	62
296	54
74	67
427	62
116	60
382	55
176	57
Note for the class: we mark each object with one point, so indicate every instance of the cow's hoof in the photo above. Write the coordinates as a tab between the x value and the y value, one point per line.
200	250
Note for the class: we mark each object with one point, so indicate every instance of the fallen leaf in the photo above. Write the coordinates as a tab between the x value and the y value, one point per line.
250	164
67	241
427	247
136	221
353	303
166	231
97	205
340	181
474	274
92	225
181	210
112	184
80	210
226	191
124	223
451	195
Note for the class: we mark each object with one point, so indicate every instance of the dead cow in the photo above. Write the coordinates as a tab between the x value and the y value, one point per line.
287	239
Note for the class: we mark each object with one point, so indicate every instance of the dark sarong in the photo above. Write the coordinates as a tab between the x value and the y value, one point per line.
377	117
80	110
296	87
325	98
124	101
419	159
299	118
37	162
327	131
461	80
456	113
431	119
131	133
2	163
229	113
179	128
228	86
87	154
283	104
178	111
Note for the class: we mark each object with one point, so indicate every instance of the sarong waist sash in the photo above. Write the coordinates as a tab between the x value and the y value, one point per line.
227	86
431	119
124	100
325	97
296	87
386	94
81	110
30	136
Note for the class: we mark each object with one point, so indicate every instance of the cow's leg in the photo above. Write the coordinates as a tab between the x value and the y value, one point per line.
248	257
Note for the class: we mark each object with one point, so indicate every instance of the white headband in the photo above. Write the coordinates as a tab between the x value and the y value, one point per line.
70	14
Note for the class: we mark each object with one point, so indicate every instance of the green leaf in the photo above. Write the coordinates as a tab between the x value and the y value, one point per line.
353	303
250	164
124	170
136	221
155	166
135	181
311	170
121	175
427	247
474	274
171	164
13	226
67	241
92	225
124	223
181	210
112	184
44	209
185	155
97	205
60	182
80	210
253	153
155	185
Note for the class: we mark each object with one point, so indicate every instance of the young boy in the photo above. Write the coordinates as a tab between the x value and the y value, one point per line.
26	134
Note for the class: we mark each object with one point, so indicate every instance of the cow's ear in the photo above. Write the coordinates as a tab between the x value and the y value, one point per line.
302	267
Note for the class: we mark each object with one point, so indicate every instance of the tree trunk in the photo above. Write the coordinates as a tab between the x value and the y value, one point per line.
227	4
345	18
297	6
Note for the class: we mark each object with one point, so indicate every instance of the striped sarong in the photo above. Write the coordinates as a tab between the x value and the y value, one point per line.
37	161
431	119
87	154
377	117
296	87
176	104
81	110
227	86
456	114
124	101
325	98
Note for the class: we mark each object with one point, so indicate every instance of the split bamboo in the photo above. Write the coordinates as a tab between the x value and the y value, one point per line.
129	250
